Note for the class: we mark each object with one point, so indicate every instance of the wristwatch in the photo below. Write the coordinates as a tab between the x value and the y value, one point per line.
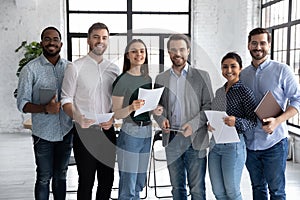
45	112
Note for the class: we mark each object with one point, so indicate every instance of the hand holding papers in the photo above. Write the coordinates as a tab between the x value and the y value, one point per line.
151	98
222	133
99	118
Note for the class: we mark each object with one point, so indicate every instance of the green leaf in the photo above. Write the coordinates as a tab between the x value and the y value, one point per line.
31	51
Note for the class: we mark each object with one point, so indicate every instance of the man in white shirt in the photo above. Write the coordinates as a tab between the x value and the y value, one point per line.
86	90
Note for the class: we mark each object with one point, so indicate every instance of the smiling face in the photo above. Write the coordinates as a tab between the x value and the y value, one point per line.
231	70
136	54
51	43
98	41
178	52
259	47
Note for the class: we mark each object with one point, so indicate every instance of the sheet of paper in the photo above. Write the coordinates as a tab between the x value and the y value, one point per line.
99	118
222	132
151	97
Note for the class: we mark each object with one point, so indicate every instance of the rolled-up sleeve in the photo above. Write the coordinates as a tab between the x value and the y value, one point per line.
24	94
292	89
69	85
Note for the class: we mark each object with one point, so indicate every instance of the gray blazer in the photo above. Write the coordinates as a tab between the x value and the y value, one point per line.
198	97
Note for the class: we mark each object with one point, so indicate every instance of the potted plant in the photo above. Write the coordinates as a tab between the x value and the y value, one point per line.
31	51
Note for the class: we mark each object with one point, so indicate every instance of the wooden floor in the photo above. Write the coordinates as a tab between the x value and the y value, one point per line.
17	173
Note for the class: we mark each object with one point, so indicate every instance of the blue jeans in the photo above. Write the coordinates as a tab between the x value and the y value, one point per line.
133	154
225	165
267	170
52	159
186	163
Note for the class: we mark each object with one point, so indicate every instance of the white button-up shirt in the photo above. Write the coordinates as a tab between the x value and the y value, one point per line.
88	85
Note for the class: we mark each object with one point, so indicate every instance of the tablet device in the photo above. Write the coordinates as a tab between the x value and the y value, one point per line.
174	129
46	94
268	107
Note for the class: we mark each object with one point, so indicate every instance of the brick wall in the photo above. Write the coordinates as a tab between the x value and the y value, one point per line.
219	26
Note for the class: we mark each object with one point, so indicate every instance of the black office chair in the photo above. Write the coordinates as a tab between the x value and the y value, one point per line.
153	160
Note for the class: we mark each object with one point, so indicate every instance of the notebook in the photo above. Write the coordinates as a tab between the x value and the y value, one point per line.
46	94
268	107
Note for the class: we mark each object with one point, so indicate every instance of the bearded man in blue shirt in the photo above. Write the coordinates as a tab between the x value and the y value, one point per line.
52	131
267	146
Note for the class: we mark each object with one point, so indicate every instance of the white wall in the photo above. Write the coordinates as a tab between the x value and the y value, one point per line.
219	26
21	20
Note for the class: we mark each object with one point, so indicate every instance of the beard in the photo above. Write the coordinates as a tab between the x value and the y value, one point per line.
258	56
51	53
99	51
178	62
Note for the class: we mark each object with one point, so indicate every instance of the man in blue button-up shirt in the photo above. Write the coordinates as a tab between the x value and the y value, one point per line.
51	127
267	146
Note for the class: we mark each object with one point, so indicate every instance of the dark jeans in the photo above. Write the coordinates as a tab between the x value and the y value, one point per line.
267	170
86	141
52	159
185	163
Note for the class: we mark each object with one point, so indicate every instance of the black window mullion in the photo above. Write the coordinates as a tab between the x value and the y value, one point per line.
69	40
190	18
161	53
288	54
129	20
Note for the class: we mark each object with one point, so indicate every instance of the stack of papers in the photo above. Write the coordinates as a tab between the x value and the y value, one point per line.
151	97
222	132
99	118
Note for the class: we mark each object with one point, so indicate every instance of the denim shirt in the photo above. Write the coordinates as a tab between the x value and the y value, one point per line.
280	80
40	73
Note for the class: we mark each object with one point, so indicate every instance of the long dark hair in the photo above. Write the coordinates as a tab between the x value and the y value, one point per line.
126	65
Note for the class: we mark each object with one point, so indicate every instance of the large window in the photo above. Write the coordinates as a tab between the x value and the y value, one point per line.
282	18
150	20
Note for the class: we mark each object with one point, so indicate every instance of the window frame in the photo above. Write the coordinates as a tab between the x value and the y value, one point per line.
130	34
272	29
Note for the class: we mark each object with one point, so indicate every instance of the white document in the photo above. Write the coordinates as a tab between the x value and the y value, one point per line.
222	132
151	97
99	118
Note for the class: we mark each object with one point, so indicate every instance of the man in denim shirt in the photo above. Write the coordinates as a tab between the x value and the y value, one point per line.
267	146
51	127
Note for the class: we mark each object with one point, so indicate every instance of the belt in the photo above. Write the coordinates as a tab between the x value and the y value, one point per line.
174	132
139	123
95	127
172	135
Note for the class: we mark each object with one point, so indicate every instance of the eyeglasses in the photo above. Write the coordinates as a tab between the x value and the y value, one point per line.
262	43
174	50
55	40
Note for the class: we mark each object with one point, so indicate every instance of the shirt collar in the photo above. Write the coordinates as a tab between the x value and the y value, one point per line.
183	72
263	65
45	61
234	86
